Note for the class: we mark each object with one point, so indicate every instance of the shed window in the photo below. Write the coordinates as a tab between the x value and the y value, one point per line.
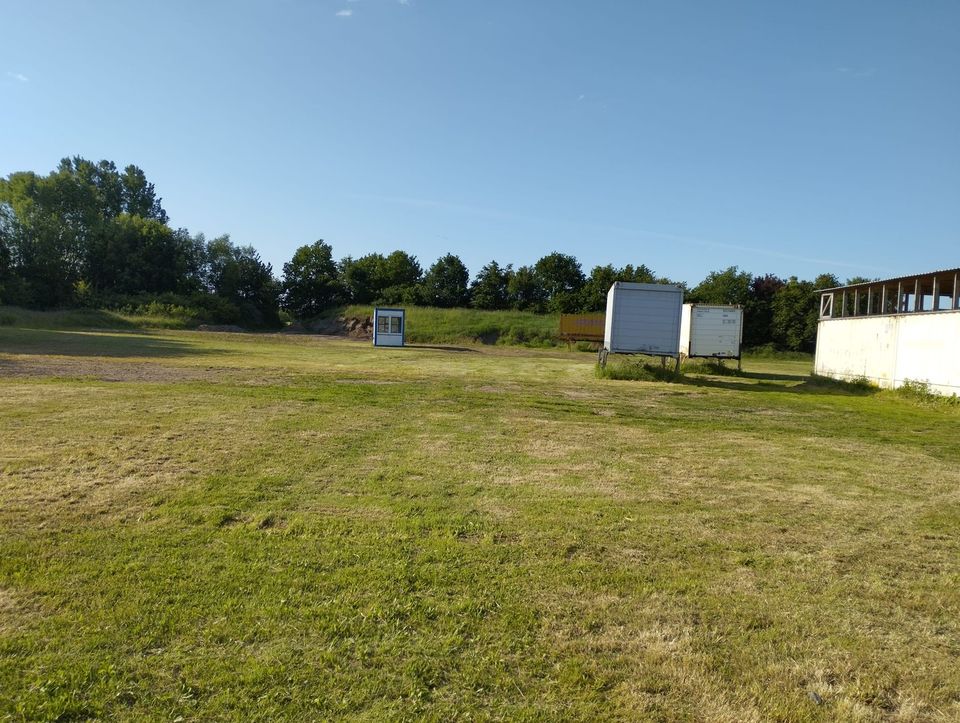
389	324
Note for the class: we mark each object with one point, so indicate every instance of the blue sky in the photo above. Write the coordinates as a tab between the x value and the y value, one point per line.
790	138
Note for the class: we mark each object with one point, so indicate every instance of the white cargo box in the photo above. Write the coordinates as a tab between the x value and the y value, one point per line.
643	319
710	330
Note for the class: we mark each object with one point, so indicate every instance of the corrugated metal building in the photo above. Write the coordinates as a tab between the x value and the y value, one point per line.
893	331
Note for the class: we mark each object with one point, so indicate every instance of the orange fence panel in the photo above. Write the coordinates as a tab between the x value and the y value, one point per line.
582	327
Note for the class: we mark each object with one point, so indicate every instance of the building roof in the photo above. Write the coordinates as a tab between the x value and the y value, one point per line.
945	273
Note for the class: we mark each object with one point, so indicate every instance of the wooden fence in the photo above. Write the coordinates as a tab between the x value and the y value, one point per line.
582	327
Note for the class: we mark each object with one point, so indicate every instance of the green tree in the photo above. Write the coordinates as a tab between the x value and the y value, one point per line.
8	275
445	284
400	279
794	325
361	277
139	196
66	220
826	281
641	274
133	254
561	279
46	236
491	288
730	286
375	278
758	311
99	191
311	281
526	291
594	293
237	274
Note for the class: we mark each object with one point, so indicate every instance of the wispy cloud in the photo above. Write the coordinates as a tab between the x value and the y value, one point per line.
404	2
856	72
344	13
695	241
19	77
628	232
439	205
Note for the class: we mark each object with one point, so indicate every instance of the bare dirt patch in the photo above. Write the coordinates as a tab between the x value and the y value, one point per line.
351	327
487	389
107	370
374	382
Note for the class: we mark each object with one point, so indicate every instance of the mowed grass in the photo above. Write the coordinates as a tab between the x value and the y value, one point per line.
430	325
224	526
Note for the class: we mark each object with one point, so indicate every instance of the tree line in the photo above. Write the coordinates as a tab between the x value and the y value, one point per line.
89	234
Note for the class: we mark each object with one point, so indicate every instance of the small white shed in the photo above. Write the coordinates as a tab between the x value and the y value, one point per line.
389	327
711	330
643	319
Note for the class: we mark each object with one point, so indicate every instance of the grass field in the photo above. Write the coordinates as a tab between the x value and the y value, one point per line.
255	527
429	325
425	325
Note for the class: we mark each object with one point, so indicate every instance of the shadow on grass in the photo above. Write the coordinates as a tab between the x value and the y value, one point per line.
774	377
794	384
751	381
92	344
78	319
437	347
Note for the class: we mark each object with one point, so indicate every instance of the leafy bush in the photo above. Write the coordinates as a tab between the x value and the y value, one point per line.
920	391
858	385
638	371
158	308
187	310
710	366
770	351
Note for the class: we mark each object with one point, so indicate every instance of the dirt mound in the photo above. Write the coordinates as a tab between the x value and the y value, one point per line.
354	327
359	328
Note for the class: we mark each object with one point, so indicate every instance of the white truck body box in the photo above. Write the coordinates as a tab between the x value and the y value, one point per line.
643	319
711	330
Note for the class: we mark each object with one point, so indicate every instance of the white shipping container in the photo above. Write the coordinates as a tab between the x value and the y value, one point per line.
711	330
643	319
